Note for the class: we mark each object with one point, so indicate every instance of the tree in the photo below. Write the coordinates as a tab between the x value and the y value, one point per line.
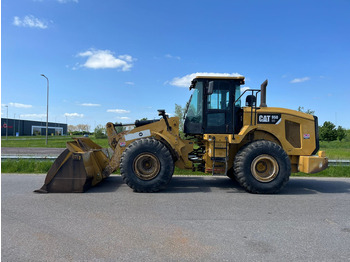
100	132
72	128
341	133
308	111
119	129
179	112
83	127
328	132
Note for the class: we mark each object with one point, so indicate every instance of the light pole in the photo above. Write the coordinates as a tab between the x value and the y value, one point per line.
7	120
14	124
47	108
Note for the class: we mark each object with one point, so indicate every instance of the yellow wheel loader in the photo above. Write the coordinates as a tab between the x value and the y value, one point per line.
258	146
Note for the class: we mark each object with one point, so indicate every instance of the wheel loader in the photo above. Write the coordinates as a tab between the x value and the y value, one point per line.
255	145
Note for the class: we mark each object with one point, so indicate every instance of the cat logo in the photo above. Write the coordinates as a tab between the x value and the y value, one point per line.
269	119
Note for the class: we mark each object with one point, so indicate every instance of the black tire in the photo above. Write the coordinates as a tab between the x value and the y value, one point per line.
231	174
147	165
262	167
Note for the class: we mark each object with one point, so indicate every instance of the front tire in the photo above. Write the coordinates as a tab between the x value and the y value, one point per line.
262	167
147	165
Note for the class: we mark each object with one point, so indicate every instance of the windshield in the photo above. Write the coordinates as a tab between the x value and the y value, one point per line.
193	112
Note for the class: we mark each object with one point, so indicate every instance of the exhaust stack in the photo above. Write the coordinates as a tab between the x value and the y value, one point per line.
263	94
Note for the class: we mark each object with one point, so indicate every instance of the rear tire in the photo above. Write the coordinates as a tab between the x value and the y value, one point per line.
262	167
147	165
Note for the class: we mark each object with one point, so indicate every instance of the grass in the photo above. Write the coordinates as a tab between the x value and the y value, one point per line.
38	167
336	149
26	166
40	141
332	171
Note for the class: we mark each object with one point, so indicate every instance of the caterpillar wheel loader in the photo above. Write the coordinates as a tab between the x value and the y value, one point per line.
258	146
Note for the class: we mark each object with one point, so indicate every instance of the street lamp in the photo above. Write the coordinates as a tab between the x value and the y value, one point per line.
47	108
7	120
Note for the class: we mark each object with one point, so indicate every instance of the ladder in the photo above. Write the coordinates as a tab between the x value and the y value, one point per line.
220	163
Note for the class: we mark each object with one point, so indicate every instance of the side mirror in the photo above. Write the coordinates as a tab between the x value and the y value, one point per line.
210	87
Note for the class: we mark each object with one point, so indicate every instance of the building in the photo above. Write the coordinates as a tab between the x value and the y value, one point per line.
19	127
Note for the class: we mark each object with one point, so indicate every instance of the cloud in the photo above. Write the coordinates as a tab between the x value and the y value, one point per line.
244	88
101	59
29	21
89	104
124	118
300	80
74	115
169	56
118	111
36	116
185	81
18	105
130	83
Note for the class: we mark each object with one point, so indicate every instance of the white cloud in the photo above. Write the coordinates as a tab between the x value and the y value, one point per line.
29	21
130	83
89	104
74	115
35	116
185	81
18	105
118	111
300	80
172	57
100	59
244	88
124	118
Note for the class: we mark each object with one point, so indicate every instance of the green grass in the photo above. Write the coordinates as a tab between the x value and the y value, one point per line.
35	166
336	149
25	166
40	141
332	171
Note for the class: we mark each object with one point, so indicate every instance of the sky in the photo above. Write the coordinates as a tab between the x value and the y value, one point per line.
121	60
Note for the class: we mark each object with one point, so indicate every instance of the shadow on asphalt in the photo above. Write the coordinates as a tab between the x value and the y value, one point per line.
295	186
300	186
110	184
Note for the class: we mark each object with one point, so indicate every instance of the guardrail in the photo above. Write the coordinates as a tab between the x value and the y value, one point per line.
338	162
331	162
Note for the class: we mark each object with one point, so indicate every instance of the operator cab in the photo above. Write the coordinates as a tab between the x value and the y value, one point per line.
211	109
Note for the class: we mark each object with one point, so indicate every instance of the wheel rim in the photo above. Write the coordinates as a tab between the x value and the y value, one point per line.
146	166
264	168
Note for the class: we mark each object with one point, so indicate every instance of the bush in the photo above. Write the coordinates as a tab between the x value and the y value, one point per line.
328	132
341	133
100	132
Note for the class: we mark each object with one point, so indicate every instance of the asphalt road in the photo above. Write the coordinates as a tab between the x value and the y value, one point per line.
194	219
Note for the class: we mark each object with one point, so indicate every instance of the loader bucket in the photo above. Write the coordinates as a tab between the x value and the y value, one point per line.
78	168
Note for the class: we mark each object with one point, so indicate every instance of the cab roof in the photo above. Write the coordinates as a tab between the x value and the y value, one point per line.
220	77
239	78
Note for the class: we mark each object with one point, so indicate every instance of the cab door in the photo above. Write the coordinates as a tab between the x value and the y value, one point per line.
218	117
